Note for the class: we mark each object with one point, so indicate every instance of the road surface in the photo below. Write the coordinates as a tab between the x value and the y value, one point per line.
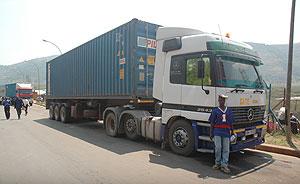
38	150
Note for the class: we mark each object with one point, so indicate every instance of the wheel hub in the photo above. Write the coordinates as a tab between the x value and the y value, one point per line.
180	137
112	124
130	125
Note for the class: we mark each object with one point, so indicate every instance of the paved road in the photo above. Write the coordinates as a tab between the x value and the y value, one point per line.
38	150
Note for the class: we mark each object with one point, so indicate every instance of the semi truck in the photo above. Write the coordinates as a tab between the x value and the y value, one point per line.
22	90
161	83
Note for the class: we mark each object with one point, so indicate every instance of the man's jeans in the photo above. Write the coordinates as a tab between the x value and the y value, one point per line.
221	150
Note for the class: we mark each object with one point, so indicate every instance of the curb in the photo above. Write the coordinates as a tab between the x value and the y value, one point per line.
279	149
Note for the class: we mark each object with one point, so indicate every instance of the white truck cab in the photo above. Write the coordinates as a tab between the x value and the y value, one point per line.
192	68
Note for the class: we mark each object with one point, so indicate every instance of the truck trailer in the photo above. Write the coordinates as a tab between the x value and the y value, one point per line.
161	83
22	90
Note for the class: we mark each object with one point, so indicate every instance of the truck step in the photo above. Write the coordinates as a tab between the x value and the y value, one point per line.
203	124
205	150
205	138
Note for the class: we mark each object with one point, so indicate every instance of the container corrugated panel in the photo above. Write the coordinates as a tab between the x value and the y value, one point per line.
2	91
10	90
119	63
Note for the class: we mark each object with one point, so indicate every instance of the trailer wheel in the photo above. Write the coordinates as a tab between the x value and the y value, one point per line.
56	113
131	127
181	138
64	114
111	126
51	112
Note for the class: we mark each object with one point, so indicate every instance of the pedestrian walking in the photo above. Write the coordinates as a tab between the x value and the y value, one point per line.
18	106
26	105
221	120
6	103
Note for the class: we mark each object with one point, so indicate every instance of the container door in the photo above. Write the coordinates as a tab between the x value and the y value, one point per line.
145	58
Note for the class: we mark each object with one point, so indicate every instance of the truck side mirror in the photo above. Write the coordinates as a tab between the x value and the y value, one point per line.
201	74
201	69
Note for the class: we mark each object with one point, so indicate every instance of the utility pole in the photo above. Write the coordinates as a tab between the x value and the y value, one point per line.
289	77
38	75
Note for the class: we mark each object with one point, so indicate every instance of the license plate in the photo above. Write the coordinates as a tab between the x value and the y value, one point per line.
250	132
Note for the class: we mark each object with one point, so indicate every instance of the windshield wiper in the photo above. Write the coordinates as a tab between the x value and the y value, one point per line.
237	88
258	91
258	86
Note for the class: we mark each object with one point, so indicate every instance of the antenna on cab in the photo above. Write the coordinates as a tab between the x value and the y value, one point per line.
220	33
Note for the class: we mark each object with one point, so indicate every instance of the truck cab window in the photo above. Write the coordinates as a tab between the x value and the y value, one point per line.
177	70
192	71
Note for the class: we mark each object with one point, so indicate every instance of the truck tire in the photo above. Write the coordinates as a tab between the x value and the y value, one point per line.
56	113
51	112
131	127
181	137
111	126
65	114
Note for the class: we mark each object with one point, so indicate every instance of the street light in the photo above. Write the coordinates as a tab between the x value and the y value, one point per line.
53	44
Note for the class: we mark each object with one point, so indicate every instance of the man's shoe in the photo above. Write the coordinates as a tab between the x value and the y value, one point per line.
225	169
216	167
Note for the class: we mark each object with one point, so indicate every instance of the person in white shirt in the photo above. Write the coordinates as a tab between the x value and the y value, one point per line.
281	115
26	105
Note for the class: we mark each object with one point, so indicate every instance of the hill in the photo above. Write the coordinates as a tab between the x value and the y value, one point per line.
275	58
26	71
274	69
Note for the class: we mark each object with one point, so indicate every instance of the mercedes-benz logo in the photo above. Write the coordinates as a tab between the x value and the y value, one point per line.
250	114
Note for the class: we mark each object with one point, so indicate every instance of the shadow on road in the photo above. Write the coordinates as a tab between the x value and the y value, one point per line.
241	163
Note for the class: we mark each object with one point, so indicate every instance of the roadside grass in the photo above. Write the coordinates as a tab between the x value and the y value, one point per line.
279	138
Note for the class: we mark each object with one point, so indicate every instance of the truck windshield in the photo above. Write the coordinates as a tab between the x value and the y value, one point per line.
236	73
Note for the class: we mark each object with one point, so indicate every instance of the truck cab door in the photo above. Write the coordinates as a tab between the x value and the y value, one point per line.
183	92
197	104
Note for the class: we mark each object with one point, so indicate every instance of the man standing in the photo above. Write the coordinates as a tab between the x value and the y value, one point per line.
221	120
26	105
18	105
6	103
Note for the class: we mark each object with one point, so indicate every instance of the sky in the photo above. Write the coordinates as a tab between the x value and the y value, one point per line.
70	23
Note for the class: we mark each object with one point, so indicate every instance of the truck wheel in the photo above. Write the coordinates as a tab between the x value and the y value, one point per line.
56	113
64	114
181	138
111	126
131	127
51	112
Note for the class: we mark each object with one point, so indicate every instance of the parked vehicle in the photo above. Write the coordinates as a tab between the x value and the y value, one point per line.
161	83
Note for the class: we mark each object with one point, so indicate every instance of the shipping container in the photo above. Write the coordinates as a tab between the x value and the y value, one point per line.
19	90
2	90
117	64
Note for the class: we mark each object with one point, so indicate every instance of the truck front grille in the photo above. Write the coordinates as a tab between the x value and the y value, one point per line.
244	116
